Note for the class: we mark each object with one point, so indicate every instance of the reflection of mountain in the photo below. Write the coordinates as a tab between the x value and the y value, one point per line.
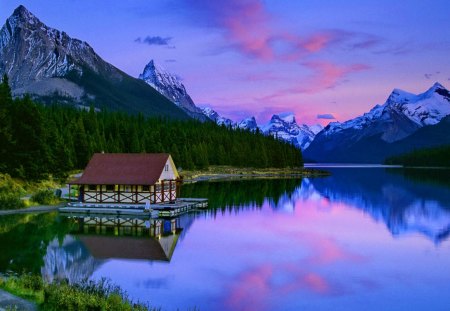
96	239
404	205
69	260
24	239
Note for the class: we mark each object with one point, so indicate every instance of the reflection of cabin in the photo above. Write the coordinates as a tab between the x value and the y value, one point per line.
128	178
106	238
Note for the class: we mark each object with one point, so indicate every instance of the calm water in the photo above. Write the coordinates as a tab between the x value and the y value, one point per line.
362	239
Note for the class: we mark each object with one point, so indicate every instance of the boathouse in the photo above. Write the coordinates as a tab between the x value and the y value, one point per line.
129	178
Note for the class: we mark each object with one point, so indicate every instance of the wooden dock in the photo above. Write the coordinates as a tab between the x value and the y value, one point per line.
180	206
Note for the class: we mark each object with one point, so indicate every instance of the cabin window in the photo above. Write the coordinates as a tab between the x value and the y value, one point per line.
109	187
166	168
127	188
146	188
92	187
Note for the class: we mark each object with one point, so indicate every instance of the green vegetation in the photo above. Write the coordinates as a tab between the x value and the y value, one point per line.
89	295
437	157
120	92
26	286
38	141
10	193
45	197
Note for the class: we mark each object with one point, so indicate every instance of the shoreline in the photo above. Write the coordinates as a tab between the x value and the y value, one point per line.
216	173
32	209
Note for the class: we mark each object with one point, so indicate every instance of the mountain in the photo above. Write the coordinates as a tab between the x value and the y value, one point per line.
248	124
215	117
385	130
172	88
284	126
51	66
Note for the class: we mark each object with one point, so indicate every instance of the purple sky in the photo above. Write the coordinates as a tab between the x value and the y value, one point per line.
318	59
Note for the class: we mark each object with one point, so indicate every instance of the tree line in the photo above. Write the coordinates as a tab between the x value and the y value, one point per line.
438	156
38	140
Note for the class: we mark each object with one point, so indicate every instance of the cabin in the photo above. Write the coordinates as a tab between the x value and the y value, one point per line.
128	178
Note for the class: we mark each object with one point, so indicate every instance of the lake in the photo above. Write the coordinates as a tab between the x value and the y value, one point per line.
364	238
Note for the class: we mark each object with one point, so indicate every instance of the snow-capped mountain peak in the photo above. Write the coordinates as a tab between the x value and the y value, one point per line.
284	126
161	79
215	117
399	117
248	124
171	87
427	108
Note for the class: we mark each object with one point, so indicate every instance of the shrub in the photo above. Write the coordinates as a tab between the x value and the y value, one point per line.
44	197
10	193
10	201
86	296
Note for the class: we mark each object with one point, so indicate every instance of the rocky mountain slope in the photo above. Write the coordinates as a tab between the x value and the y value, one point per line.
172	88
379	133
51	66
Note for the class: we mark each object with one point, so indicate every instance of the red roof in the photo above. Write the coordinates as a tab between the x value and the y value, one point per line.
123	169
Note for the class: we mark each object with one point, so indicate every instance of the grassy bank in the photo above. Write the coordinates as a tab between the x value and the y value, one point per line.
88	295
219	172
17	193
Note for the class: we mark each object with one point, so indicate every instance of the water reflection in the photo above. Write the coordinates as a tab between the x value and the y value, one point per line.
243	194
399	198
94	240
68	260
310	244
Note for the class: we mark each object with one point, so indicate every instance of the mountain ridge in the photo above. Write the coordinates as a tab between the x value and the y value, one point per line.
172	88
375	134
47	64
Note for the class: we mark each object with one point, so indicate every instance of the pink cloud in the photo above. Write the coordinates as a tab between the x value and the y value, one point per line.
245	24
250	29
325	75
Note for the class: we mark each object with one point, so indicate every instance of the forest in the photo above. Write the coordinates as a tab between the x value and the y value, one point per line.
40	140
436	157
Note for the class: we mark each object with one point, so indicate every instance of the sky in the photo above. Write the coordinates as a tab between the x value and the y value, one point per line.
321	60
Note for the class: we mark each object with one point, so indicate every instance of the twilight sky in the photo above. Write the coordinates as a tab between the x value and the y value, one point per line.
319	59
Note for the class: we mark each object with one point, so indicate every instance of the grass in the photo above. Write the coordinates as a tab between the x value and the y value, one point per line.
28	287
17	193
89	295
216	171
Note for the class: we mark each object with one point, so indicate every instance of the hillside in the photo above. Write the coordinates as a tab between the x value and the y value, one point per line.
53	67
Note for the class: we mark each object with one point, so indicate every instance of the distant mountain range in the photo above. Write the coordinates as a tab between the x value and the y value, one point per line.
51	66
282	126
404	122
